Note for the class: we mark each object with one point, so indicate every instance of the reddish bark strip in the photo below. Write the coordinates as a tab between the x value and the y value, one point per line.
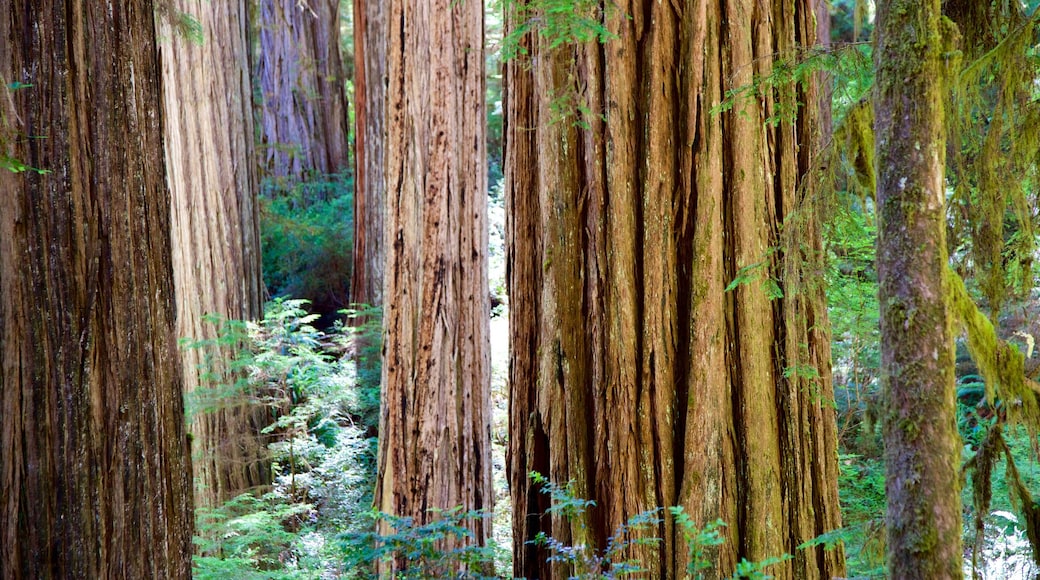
633	373
435	427
212	174
95	477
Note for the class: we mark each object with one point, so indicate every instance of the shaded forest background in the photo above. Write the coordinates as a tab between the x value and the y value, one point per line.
282	363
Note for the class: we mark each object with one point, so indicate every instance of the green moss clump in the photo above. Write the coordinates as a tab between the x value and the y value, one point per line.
1001	364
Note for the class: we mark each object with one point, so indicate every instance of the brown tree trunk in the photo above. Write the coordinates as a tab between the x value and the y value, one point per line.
95	473
825	82
435	427
303	111
633	373
922	448
370	38
211	163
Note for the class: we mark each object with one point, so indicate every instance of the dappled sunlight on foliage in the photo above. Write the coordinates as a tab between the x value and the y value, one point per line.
321	447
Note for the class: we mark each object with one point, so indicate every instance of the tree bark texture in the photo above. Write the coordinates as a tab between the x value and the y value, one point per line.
95	473
922	447
212	175
435	425
633	372
303	110
370	41
825	82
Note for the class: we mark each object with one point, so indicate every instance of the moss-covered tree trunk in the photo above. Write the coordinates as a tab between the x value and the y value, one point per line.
435	429
95	477
303	108
370	40
634	373
212	174
922	448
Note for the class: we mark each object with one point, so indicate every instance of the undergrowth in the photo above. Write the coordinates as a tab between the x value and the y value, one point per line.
307	239
323	449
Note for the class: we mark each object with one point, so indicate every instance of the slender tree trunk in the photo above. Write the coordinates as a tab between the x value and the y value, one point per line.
633	373
435	425
211	164
95	473
303	112
370	41
922	448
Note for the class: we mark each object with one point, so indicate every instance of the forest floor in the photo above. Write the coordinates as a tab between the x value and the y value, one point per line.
503	518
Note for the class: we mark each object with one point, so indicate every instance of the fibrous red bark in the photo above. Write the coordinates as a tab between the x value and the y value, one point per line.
95	477
631	208
303	108
370	42
435	430
212	175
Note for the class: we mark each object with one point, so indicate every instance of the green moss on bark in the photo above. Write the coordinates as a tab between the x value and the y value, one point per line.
1002	365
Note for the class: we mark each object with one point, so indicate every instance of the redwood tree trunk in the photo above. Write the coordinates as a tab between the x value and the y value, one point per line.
370	40
212	168
435	425
95	473
303	111
633	373
922	447
823	38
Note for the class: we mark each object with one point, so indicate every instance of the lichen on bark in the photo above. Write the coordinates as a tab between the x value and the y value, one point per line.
922	450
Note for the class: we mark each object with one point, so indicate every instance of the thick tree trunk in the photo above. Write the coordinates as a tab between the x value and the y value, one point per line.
370	38
303	111
211	162
922	448
435	425
633	373
95	474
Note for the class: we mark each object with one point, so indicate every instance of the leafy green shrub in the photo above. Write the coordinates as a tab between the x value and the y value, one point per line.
306	232
322	458
365	349
698	540
589	564
861	486
420	547
254	537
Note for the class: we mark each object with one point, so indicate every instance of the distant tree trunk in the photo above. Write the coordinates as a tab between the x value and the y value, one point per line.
370	38
922	448
633	372
211	163
95	472
435	427
303	112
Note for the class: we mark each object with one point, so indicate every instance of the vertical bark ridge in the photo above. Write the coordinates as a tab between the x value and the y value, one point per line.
692	398
661	325
96	471
708	446
303	111
524	273
435	422
370	39
211	163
